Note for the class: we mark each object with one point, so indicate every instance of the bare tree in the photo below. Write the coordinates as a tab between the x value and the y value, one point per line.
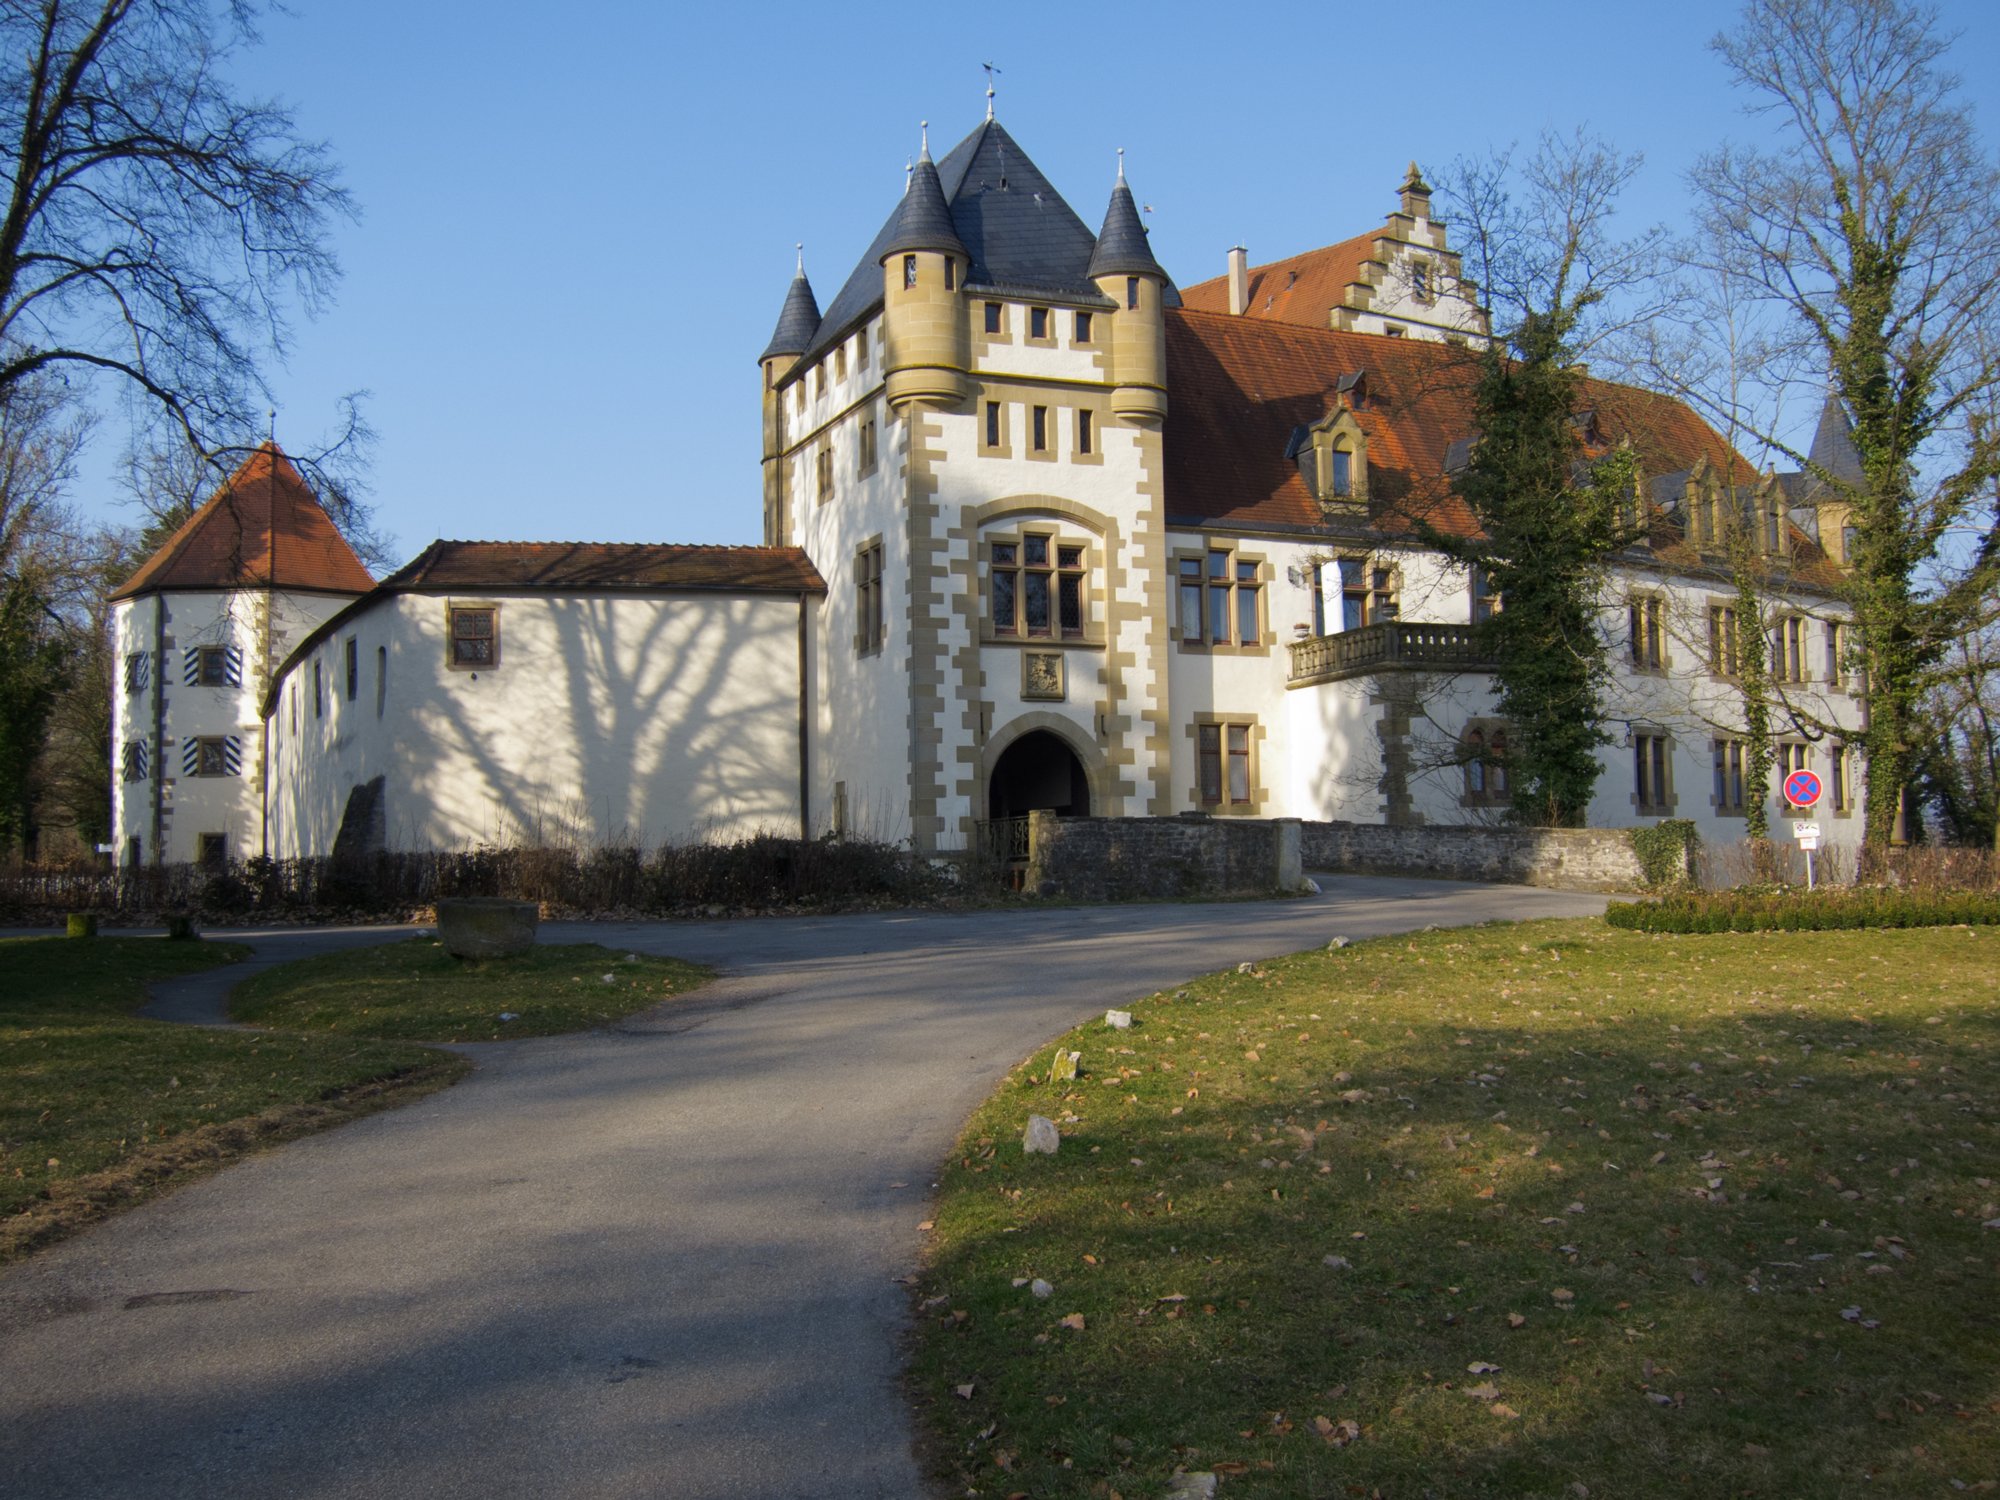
156	226
1867	239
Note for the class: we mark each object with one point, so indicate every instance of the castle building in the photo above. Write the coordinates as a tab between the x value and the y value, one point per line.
1043	531
200	630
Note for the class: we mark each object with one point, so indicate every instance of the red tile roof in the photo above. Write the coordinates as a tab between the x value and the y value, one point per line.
1242	386
607	565
1302	289
262	529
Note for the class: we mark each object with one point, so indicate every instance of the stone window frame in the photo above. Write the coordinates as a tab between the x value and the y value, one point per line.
1083	328
1042	415
990	425
1339	432
1840	768
1375	567
1647	649
211	664
1086	436
138	670
840	361
211	851
1726	757
985	339
867	446
823	471
1261	582
1790	662
1839	647
210	757
1667	797
350	664
871	597
135	762
1091	597
453	608
1046	339
1487	782
1724	649
1259	795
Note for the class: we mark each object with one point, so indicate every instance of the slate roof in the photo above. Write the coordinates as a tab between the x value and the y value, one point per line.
1833	445
262	529
1121	244
1021	238
1243	389
579	566
798	320
923	218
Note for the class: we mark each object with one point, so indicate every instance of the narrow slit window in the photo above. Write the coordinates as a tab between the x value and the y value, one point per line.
909	271
1085	437
1041	428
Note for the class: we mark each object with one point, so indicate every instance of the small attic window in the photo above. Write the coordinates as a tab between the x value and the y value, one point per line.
1341	478
950	274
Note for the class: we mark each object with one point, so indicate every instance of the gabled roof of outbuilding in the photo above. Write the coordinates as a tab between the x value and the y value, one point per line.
1019	236
262	529
643	567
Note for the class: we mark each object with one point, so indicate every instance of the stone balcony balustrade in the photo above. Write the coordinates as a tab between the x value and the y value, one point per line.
1392	646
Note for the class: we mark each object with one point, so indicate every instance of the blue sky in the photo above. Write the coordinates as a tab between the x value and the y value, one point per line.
576	232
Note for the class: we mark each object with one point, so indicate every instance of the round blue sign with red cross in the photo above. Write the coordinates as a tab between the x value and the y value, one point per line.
1802	788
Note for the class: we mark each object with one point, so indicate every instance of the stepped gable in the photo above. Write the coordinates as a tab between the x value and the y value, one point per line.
1302	289
583	566
1242	388
262	529
1020	237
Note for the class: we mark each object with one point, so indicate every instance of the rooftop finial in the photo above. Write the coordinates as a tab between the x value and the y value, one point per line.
909	171
991	73
927	137
801	248
1121	163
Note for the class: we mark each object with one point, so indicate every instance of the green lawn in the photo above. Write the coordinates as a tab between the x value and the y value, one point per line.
1608	1213
98	1107
415	991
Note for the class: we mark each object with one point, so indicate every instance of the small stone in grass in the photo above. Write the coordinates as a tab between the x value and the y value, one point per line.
1337	1262
1334	945
1118	1020
1041	1288
509	1015
1040	1136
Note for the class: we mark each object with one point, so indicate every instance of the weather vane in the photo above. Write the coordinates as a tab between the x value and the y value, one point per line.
991	74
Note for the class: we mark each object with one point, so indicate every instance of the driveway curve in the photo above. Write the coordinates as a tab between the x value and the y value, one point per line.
655	1260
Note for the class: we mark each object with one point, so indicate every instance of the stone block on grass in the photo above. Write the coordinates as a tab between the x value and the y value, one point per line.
478	927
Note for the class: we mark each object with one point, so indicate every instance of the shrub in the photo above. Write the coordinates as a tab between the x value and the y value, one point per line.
1803	911
1666	851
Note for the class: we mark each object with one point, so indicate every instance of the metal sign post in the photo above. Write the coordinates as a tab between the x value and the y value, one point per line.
1802	790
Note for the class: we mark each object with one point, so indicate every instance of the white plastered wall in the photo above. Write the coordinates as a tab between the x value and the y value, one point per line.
609	719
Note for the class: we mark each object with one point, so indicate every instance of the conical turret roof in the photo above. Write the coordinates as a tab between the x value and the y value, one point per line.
1121	245
923	222
797	322
263	529
1833	447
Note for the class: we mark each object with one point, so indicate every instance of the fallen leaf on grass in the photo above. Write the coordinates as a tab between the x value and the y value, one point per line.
1481	1367
963	1392
1337	1434
1563	1296
1074	1320
1502	1409
1515	1320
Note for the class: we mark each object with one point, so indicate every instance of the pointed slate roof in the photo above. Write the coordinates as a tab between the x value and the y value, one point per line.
1121	244
798	321
262	529
1021	238
1833	444
923	218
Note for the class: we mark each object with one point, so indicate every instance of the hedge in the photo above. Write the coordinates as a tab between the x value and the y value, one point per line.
1805	911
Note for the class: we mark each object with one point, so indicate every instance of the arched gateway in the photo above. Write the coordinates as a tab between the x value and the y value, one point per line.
1038	772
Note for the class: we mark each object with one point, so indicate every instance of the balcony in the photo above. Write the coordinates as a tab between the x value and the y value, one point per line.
1393	646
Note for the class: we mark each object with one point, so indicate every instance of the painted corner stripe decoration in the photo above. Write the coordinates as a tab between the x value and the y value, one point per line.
1802	788
232	666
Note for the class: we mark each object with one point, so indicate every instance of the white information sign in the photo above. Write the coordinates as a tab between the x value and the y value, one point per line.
1807	834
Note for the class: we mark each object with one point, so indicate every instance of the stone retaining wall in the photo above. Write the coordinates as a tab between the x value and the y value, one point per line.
1127	859
1572	859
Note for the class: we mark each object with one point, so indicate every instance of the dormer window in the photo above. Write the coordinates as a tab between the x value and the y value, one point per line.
1340	481
1337	467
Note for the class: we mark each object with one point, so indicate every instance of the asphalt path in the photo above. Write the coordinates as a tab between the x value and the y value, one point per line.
660	1259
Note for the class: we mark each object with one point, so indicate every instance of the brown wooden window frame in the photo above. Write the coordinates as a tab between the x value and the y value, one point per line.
1038	566
460	660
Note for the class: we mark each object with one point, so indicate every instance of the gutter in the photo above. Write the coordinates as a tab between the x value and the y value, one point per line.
805	724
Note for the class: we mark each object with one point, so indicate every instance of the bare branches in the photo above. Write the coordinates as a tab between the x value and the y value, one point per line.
156	228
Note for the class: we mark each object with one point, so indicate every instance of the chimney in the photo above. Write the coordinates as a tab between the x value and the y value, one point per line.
1239	281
